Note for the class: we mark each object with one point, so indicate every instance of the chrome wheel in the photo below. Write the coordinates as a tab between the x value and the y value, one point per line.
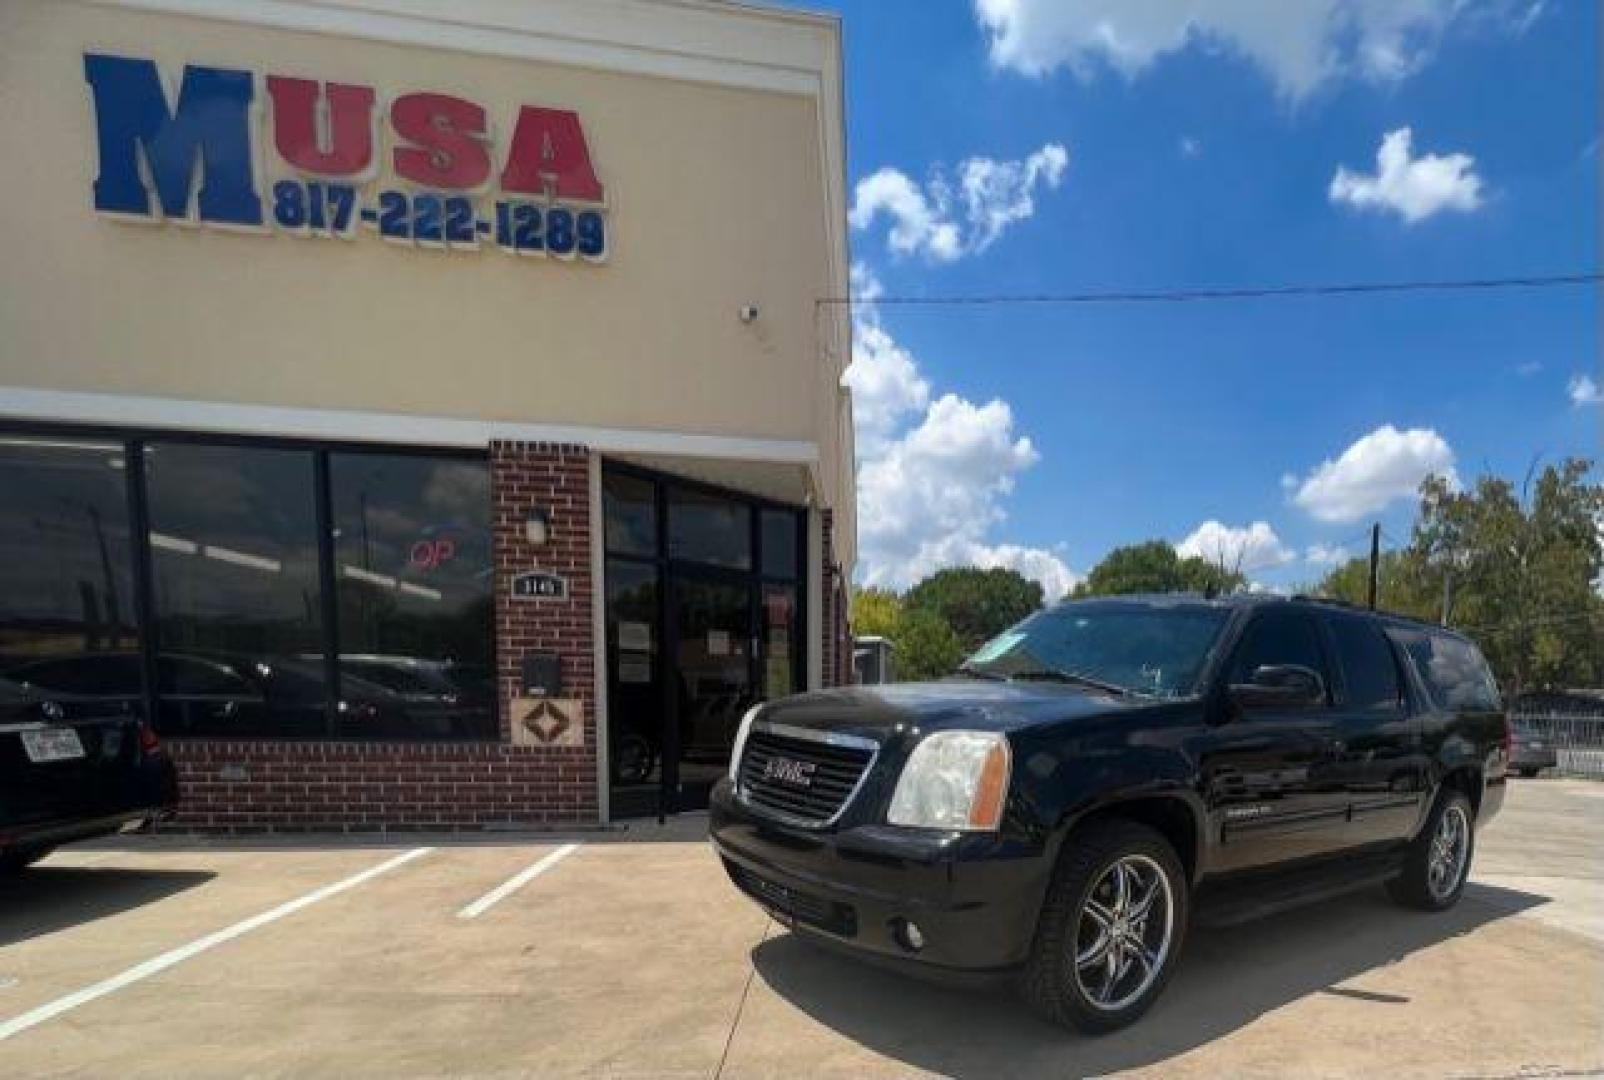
1124	933
1450	845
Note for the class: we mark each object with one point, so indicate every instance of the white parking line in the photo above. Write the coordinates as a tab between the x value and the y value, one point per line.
195	948
516	882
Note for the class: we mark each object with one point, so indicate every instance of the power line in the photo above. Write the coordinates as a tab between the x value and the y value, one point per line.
1255	292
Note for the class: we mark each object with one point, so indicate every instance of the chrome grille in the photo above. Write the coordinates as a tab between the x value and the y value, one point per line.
802	774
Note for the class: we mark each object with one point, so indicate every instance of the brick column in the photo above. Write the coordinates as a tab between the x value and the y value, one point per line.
555	478
836	644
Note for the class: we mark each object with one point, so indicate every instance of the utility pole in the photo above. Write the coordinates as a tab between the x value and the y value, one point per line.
1375	561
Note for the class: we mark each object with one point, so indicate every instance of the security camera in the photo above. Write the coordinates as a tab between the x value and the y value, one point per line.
747	313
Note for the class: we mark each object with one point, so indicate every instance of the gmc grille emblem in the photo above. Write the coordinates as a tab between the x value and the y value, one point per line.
786	771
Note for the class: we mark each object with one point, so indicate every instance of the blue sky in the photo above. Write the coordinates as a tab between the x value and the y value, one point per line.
1169	154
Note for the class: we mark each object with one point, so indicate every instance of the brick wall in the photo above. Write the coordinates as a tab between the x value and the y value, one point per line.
261	785
836	655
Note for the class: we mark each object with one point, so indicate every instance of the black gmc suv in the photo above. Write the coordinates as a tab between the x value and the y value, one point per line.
1105	773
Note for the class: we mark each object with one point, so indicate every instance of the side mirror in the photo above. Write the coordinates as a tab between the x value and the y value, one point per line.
1280	685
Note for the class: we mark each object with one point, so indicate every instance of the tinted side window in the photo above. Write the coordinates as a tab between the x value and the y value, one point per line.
1278	637
1453	670
1369	671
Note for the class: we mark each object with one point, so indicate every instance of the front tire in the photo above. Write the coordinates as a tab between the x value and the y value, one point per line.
1529	774
1110	930
1438	863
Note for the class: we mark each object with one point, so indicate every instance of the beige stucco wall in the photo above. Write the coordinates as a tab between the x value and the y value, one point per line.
716	199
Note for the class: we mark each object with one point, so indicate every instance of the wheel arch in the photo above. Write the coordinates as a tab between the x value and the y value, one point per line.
1169	813
1466	778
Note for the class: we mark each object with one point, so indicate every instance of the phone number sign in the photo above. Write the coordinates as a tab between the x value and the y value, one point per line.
198	155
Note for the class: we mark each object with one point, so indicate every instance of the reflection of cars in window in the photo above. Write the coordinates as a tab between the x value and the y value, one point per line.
440	697
1060	808
222	694
73	766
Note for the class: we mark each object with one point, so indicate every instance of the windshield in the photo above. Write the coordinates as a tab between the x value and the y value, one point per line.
1158	652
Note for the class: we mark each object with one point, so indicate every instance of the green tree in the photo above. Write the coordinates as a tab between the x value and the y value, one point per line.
977	604
1155	567
1520	568
1401	584
1516	569
926	646
876	613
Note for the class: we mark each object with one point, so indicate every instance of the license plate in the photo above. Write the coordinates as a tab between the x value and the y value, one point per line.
52	744
1535	745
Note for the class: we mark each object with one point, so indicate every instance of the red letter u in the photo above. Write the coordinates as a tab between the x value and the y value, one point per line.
349	149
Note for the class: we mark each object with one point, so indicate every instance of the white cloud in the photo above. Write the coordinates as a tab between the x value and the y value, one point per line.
917	222
1527	368
1326	555
1246	547
932	474
1583	390
1298	44
1413	187
946	219
886	387
1190	147
1385	465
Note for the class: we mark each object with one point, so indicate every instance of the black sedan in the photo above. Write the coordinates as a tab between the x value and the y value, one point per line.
73	769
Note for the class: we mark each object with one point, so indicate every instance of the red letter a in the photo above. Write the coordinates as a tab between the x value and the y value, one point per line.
549	157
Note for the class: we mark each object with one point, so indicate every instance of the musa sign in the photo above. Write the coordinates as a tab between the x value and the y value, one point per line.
193	157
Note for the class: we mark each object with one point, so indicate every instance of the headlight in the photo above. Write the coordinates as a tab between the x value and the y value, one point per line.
953	780
740	740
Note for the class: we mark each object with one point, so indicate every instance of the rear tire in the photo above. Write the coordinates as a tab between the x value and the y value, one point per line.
1530	774
1438	862
1110	930
16	860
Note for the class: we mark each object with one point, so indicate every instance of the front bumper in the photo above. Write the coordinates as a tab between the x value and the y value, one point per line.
973	897
143	794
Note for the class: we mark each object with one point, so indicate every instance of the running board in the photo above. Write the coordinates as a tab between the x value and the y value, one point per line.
1256	896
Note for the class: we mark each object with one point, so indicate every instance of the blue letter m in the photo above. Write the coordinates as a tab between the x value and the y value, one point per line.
211	125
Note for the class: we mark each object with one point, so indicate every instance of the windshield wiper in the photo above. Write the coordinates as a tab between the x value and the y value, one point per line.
976	673
1055	675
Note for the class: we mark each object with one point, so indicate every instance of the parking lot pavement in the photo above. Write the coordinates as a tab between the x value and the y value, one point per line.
168	957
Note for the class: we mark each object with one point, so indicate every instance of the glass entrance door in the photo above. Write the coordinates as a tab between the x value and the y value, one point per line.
711	618
704	618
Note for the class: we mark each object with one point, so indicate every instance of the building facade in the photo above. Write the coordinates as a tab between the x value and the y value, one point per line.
428	419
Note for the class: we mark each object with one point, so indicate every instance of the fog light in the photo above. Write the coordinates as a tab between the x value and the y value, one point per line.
907	934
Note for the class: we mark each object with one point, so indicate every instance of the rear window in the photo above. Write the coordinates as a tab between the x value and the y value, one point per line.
1453	669
1369	671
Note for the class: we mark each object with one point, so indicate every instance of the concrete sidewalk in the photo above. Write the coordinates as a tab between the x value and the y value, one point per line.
637	959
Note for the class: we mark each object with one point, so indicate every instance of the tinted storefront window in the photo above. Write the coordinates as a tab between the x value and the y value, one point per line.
412	559
630	509
234	573
707	528
67	609
634	696
780	543
239	644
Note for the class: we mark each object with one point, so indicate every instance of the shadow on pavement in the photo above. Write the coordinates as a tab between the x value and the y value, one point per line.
1226	979
44	899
